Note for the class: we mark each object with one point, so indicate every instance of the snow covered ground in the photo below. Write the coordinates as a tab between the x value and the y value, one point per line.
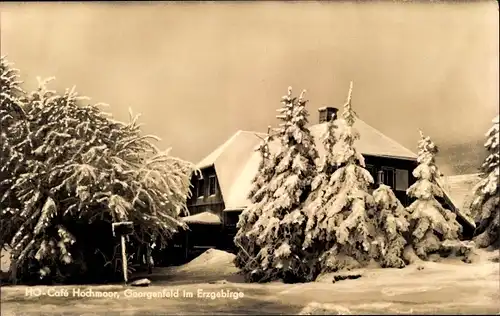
446	287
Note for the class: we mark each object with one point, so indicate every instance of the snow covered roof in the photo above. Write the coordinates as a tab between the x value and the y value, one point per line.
458	191
236	162
459	188
372	142
203	218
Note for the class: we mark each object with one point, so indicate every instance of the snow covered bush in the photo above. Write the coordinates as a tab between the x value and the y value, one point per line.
340	227
81	170
392	226
430	223
279	226
486	206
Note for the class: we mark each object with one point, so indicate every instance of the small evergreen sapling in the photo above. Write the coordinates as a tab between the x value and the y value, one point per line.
432	226
392	226
486	204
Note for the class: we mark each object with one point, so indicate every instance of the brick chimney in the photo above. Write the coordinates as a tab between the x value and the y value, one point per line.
327	113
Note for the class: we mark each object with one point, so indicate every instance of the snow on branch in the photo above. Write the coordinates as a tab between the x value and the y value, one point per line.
68	162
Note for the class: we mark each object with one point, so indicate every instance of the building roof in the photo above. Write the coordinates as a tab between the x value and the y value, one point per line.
460	190
236	161
372	142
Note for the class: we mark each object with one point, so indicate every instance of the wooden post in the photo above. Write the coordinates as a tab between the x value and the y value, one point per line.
124	259
123	229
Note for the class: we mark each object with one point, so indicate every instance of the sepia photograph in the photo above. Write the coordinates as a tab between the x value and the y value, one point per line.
249	158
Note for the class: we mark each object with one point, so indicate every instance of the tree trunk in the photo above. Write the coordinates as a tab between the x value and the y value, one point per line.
149	258
13	273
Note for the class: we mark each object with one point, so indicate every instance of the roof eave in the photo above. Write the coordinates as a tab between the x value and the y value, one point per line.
204	166
392	157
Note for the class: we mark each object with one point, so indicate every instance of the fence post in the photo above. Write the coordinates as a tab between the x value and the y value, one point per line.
124	259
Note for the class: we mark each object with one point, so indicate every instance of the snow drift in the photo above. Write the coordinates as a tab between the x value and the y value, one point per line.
212	262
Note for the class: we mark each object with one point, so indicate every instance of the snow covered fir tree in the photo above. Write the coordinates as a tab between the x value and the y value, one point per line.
433	227
486	204
319	192
340	226
75	170
278	230
342	223
67	169
12	132
391	220
247	247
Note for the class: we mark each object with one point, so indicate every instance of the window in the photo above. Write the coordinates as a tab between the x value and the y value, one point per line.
211	185
401	179
200	188
388	176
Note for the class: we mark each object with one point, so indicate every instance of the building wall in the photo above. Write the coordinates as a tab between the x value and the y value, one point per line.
376	163
202	199
400	170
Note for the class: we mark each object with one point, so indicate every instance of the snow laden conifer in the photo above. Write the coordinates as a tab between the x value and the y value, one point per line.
247	248
278	231
13	148
85	171
486	203
328	163
319	188
342	220
432	226
392	225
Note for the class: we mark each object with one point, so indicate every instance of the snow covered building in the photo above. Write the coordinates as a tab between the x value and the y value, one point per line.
227	172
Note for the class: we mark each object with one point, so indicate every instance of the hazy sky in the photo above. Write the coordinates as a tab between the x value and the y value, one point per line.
200	71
